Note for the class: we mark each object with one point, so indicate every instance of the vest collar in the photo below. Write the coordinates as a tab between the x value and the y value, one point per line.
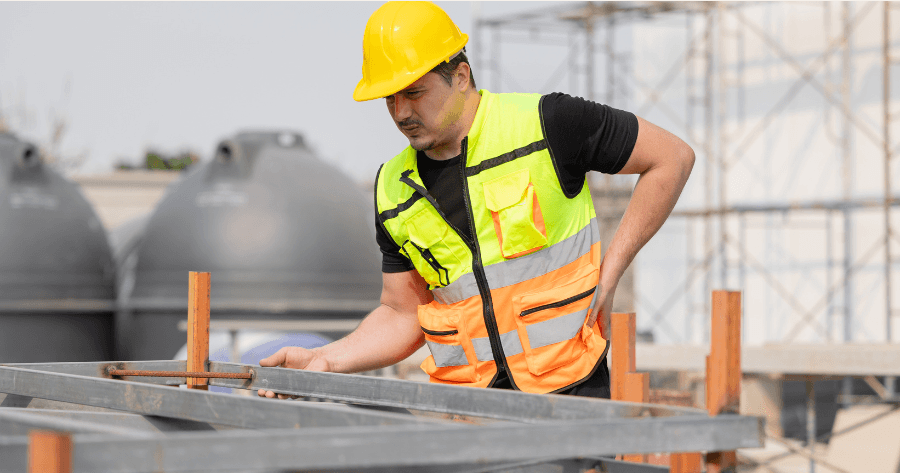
484	107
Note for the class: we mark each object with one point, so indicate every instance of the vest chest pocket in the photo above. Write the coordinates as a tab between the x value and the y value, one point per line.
550	320
431	247
517	216
452	354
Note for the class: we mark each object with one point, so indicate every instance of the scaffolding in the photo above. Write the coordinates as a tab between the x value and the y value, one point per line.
744	86
709	94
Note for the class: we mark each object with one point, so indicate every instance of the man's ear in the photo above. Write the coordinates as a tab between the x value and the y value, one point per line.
462	73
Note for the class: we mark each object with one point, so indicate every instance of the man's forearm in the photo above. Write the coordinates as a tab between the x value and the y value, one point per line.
383	338
654	197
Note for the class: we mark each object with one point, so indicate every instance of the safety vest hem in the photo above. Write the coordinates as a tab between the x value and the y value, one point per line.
602	359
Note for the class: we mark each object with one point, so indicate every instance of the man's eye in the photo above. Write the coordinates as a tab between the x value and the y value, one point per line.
413	93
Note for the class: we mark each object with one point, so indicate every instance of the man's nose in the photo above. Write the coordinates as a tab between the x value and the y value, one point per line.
402	108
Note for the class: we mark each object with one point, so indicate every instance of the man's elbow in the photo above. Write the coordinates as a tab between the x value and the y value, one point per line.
686	159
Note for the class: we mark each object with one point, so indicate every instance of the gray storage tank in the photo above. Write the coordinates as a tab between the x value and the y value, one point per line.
57	276
285	236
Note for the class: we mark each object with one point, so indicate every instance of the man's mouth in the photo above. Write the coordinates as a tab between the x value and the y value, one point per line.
409	125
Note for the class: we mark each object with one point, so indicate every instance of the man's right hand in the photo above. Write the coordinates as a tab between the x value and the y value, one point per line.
296	358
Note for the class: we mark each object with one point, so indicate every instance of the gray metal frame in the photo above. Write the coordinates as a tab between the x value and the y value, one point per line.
170	429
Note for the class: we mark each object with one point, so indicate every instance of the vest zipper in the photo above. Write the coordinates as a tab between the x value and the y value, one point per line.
487	303
561	303
477	268
439	334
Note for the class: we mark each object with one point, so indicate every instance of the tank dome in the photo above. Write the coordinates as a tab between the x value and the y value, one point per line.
280	231
57	276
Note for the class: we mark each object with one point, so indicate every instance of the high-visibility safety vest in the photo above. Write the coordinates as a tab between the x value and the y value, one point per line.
517	298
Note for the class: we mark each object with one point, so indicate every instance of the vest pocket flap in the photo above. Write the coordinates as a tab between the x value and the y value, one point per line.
452	353
550	319
426	230
506	191
553	298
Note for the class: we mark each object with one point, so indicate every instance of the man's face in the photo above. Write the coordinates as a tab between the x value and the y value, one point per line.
425	111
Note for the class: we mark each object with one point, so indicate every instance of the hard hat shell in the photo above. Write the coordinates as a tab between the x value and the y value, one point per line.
402	42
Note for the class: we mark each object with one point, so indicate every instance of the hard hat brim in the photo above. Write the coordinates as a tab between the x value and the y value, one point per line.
365	91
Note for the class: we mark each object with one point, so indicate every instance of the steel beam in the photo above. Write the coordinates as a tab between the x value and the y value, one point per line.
534	466
13	420
21	421
489	403
405	445
200	406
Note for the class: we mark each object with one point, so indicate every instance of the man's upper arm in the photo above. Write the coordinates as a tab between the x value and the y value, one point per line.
585	136
656	147
404	292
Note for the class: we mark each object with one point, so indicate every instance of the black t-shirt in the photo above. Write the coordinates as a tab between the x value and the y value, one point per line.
582	136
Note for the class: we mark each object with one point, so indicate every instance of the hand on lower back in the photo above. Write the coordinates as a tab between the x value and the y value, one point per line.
603	308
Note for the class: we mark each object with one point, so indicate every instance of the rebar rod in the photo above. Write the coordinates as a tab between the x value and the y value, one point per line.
178	374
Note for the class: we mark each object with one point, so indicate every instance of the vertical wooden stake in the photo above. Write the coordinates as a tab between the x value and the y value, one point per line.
723	369
723	389
622	327
686	463
625	384
198	328
637	389
49	452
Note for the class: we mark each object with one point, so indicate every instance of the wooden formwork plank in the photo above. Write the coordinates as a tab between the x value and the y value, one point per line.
625	383
723	387
49	452
723	369
198	328
686	463
623	326
636	389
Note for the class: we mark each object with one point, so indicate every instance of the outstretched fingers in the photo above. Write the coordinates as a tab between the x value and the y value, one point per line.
276	359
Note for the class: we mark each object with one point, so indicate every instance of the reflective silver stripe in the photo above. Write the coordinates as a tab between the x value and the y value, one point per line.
541	334
447	355
483	350
509	341
523	268
555	330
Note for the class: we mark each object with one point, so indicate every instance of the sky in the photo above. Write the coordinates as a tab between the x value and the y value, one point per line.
173	76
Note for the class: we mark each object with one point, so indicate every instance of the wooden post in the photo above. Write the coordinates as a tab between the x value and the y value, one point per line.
626	385
198	328
686	463
623	327
49	452
723	369
637	389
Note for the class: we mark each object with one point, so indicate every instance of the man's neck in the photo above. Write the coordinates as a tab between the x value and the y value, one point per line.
454	147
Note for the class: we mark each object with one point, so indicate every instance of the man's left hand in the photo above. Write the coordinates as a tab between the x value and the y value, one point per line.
603	308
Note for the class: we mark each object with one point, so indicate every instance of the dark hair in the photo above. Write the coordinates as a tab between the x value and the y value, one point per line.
446	69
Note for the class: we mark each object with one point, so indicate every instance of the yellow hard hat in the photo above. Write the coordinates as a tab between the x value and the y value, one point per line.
402	42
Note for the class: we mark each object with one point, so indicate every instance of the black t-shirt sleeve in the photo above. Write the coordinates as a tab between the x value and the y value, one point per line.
586	136
392	261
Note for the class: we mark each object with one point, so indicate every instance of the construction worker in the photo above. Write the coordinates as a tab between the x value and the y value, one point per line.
488	232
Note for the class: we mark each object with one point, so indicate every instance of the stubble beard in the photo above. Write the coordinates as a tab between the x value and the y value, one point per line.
420	145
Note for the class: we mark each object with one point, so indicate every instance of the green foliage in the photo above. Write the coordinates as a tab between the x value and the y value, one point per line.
179	162
159	161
